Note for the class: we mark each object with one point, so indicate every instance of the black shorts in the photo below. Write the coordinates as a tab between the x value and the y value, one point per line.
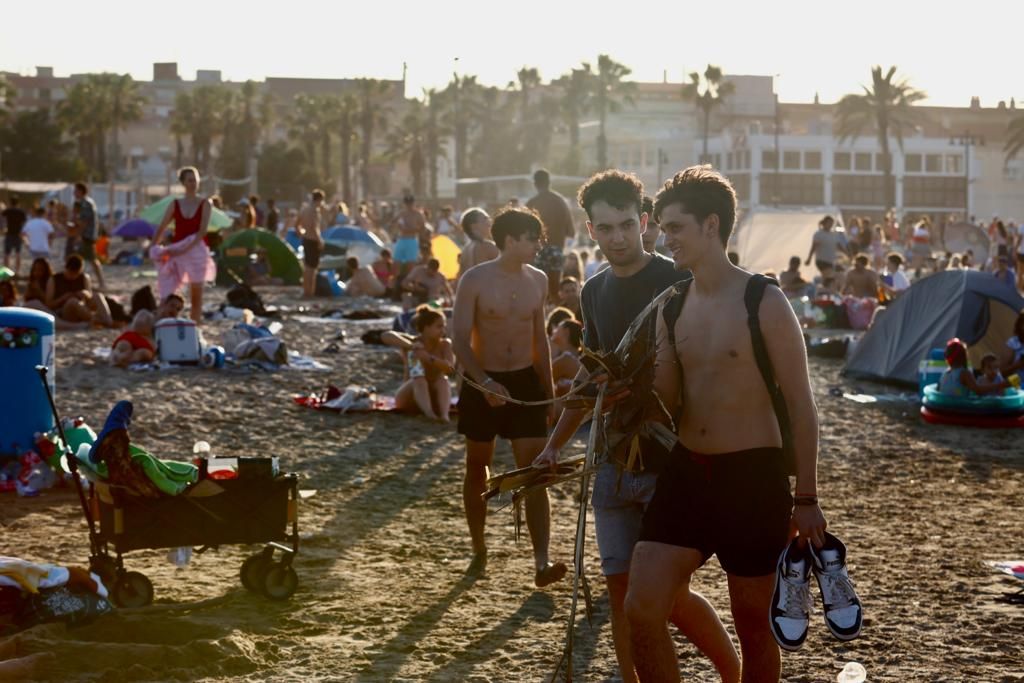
88	249
12	244
734	505
822	265
478	421
311	253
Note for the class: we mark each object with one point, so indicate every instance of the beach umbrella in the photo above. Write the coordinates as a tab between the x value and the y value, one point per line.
344	235
135	228
154	213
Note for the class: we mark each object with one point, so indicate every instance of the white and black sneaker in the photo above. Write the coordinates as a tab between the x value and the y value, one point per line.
791	602
842	606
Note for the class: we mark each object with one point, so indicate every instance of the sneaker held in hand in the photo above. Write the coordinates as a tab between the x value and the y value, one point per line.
791	601
843	612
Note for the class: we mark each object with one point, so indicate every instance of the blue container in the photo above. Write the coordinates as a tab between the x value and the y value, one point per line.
26	340
929	371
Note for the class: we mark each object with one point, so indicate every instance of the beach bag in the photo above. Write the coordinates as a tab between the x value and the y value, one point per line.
243	296
752	299
859	311
177	341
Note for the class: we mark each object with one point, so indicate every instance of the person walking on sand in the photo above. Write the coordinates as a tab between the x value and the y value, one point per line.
308	226
186	258
501	342
723	490
557	219
87	227
613	202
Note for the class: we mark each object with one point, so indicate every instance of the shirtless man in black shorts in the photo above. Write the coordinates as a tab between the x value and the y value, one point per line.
308	226
500	340
724	490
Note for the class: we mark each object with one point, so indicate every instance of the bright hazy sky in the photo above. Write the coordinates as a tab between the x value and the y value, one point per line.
952	50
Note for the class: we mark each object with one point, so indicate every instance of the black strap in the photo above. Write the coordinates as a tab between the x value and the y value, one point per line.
752	298
674	307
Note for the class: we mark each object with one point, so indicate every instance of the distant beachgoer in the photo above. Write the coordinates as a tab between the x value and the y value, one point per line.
39	275
187	258
500	342
430	360
958	380
8	293
363	281
254	204
990	370
893	280
597	265
410	225
792	281
569	295
426	283
86	221
566	345
171	307
861	282
308	225
1013	363
572	266
554	213
341	214
825	247
135	345
446	224
385	269
480	247
15	219
39	233
556	317
70	296
653	231
259	271
246	215
920	244
1003	273
273	216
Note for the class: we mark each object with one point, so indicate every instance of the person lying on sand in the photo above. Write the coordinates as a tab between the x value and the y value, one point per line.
430	360
363	281
135	345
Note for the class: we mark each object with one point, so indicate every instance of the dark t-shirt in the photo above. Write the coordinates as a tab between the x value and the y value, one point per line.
15	218
610	304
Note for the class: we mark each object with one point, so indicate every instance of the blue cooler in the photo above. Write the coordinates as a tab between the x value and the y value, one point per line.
26	340
930	370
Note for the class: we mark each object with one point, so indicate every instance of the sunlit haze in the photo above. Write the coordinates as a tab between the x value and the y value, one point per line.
953	51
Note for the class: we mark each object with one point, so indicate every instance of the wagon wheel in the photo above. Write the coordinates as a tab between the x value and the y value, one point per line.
133	589
280	581
253	571
105	567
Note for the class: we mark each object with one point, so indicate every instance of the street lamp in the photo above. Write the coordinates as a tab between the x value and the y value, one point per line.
966	140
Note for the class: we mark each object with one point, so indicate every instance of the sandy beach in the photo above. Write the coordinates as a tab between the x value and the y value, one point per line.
383	593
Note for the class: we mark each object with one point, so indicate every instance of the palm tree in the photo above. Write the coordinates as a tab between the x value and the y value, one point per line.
346	125
251	124
210	107
464	96
610	92
124	103
82	113
435	131
180	124
408	141
304	125
527	80
1014	137
714	93
373	115
888	106
575	102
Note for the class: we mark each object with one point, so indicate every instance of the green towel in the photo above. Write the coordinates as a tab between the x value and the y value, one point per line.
170	476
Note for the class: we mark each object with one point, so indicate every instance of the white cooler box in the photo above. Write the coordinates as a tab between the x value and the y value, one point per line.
177	341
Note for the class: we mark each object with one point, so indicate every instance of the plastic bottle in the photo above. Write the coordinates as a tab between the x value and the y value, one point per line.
853	672
179	557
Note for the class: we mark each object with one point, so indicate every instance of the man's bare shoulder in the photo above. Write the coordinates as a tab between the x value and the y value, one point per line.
775	308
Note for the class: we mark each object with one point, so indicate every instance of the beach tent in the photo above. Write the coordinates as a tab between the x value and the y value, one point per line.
968	304
765	239
238	247
154	213
343	241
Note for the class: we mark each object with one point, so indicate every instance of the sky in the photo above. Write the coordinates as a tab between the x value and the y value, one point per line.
951	50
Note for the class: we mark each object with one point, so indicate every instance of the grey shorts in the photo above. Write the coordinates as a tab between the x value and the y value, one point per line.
619	506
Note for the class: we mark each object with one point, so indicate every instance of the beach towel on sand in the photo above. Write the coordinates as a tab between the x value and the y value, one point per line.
352	399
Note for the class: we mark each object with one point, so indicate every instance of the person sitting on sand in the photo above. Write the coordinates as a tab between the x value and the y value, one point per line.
556	317
363	281
792	282
1013	362
958	380
566	345
385	269
69	295
990	370
171	307
430	360
8	293
258	271
861	282
135	345
426	283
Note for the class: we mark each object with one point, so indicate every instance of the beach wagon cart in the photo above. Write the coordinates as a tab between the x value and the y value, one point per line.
258	506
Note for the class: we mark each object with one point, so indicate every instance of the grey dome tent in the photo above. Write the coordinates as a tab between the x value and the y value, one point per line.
968	304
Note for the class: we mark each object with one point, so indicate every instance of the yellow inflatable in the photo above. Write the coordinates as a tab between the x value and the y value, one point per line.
447	252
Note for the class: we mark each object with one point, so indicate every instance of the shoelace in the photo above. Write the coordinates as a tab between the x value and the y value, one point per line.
798	599
838	589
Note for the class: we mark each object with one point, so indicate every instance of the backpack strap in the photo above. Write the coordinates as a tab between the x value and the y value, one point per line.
672	308
752	298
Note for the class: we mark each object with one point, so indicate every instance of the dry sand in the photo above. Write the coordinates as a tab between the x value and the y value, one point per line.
383	595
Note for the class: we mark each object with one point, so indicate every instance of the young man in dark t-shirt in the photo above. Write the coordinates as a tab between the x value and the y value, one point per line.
610	301
15	219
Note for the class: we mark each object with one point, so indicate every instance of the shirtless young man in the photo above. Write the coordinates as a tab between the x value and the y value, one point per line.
410	223
501	342
426	283
308	227
610	301
724	490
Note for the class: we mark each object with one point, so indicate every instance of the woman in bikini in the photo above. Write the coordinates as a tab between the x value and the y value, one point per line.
430	359
186	258
477	226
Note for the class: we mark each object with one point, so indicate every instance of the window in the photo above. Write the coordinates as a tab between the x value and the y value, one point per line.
841	161
912	163
791	160
862	161
954	164
933	163
930	192
880	161
792	188
768	159
746	158
859	190
729	160
812	161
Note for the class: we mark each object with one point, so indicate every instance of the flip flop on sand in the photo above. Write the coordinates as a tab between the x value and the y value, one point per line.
550	574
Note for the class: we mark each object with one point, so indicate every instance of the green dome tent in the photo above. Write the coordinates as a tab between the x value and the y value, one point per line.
236	250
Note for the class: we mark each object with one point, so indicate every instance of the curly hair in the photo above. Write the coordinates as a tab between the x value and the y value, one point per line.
702	191
618	189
